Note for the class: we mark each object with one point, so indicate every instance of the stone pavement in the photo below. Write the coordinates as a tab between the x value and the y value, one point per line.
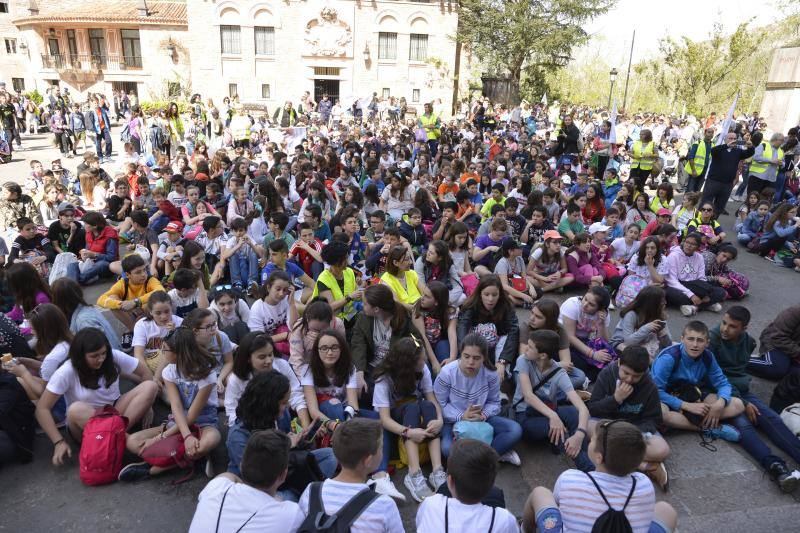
723	490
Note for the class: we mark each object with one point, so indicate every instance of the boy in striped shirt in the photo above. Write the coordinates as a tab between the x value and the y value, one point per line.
579	498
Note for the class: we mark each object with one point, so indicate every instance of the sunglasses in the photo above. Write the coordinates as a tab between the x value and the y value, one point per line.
706	209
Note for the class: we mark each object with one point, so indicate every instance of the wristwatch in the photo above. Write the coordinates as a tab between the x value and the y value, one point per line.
347	299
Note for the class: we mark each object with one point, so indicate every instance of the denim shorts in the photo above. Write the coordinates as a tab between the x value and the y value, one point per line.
207	417
548	520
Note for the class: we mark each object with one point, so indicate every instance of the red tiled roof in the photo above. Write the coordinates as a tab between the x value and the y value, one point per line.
111	11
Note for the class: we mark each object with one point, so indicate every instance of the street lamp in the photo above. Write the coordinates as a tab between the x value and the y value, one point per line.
613	76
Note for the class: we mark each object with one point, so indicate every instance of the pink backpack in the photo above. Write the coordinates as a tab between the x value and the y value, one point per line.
102	448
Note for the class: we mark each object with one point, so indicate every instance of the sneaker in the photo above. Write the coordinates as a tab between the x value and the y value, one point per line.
417	486
511	457
724	432
527	305
715	307
611	306
134	472
688	310
209	468
437	478
383	485
787	481
658	475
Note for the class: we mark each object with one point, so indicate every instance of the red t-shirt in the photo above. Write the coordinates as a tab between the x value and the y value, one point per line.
303	257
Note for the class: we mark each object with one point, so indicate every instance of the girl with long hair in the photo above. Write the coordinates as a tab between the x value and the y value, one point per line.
583	264
639	213
88	381
28	290
254	355
149	333
316	317
707	225
780	227
397	197
643	322
400	277
586	320
203	322
189	380
437	265
68	296
407	408
459	243
433	315
547	265
645	268
489	312
595	208
276	309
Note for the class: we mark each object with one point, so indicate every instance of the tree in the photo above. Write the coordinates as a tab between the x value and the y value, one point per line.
701	74
513	37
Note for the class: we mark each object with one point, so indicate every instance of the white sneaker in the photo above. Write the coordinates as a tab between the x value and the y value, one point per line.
437	478
417	486
384	485
511	457
715	307
688	310
611	306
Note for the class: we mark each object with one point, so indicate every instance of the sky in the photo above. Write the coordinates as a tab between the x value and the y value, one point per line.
656	19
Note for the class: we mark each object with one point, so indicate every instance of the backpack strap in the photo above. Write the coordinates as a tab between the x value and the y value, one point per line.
539	385
350	511
221	505
446	516
315	502
630	494
125	294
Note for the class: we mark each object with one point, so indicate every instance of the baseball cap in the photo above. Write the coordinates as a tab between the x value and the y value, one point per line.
566	179
501	168
174	227
598	226
404	164
552	234
63	207
664	212
509	244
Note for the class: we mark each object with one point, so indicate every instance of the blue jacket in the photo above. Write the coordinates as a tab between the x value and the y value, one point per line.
753	224
414	235
92	123
703	371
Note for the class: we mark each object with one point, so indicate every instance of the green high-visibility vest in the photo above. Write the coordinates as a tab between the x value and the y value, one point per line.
700	157
758	167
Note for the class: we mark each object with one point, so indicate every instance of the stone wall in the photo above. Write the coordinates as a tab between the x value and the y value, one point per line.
780	106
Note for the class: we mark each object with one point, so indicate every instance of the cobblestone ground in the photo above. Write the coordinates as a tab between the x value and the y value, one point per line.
712	491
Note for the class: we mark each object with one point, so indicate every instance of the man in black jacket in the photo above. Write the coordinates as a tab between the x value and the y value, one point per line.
722	170
625	391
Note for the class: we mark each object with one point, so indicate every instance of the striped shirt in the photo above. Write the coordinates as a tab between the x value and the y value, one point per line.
455	392
580	503
381	515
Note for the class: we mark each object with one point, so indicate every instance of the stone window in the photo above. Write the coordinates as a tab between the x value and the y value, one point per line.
387	45
11	46
230	39
3	6
265	40
233	89
415	95
385	93
265	92
18	84
418	51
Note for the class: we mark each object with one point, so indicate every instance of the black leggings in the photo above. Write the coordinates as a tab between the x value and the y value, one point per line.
700	288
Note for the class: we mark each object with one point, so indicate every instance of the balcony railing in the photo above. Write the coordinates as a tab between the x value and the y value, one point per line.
91	62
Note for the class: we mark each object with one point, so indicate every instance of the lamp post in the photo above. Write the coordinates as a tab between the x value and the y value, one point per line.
613	76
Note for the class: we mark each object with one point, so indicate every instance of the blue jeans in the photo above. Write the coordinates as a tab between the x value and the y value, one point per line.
98	269
507	433
536	427
441	349
244	268
327	465
104	135
780	184
771	424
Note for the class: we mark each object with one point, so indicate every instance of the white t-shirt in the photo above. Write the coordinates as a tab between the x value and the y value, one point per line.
189	388
585	324
265	317
307	380
381	515
242	312
383	394
581	504
462	517
622	251
242	503
236	386
150	335
53	360
65	382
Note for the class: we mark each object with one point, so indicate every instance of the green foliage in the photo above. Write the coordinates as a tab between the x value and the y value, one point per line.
35	96
147	107
516	37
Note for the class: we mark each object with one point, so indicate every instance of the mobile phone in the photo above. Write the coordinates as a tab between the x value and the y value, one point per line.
312	431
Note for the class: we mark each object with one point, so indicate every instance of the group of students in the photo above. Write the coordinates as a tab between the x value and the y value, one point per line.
255	288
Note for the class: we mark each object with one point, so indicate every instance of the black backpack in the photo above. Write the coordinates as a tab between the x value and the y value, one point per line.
612	521
318	522
17	416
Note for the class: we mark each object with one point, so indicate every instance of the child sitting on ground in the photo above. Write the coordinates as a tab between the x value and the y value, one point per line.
587	502
472	467
188	292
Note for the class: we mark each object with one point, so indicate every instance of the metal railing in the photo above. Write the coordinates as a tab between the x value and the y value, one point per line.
91	62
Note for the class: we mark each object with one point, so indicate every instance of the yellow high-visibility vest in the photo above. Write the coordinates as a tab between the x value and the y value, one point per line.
700	157
637	155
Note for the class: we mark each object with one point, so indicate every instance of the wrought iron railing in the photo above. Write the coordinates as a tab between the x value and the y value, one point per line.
91	62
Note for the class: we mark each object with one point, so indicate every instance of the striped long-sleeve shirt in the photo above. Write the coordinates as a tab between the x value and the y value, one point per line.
455	392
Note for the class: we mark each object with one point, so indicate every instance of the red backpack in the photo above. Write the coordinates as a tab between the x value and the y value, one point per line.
103	446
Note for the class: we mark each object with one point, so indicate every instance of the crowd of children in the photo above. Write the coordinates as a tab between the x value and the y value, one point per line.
352	305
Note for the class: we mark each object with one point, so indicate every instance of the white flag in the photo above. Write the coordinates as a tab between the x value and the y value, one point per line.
612	135
726	125
544	99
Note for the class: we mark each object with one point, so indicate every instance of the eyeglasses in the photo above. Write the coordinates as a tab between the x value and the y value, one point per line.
329	349
210	327
606	426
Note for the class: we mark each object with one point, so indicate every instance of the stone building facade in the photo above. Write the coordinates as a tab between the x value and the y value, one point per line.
270	51
14	52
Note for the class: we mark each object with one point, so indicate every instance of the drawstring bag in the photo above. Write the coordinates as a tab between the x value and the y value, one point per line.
475	430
